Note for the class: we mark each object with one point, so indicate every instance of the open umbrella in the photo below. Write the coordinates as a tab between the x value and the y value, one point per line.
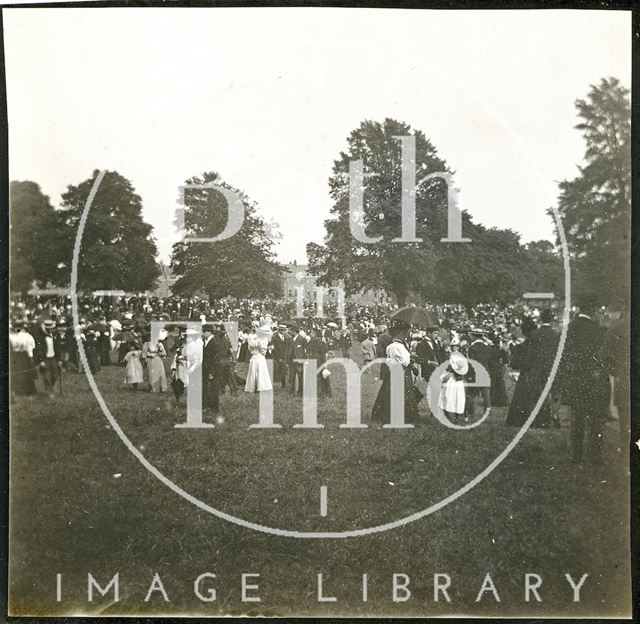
413	315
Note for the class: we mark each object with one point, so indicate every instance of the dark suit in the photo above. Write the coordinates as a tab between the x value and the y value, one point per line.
318	351
212	357
282	350
227	363
427	352
481	353
48	365
299	352
384	340
584	383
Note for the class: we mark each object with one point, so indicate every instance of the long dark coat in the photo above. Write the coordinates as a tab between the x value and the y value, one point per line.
382	407
536	358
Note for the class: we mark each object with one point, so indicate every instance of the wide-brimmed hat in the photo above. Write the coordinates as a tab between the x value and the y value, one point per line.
264	331
458	363
49	324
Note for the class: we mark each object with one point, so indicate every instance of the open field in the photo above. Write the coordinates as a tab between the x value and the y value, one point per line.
81	503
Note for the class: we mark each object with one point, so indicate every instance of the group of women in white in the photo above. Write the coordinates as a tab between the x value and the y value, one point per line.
148	357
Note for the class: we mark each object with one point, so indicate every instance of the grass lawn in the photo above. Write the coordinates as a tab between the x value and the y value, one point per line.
81	503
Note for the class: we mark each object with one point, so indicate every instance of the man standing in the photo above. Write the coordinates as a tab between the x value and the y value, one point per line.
428	352
317	350
345	342
299	352
584	382
384	340
535	366
226	362
48	356
278	341
368	350
211	370
481	353
615	356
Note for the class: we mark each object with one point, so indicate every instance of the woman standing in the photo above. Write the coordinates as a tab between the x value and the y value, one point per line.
452	399
153	354
398	354
134	374
258	378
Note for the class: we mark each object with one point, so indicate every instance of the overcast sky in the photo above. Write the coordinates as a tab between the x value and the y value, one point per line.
267	97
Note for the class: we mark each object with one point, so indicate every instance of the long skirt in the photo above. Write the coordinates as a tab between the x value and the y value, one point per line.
498	387
452	396
525	396
382	407
258	378
134	373
23	374
157	375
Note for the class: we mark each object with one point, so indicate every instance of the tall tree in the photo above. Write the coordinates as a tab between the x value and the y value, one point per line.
242	265
545	272
118	251
38	235
494	266
595	205
383	264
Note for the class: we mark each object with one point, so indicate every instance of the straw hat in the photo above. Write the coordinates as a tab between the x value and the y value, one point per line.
458	363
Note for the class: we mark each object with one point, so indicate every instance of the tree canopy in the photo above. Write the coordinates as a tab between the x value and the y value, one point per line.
118	251
38	238
595	206
242	265
493	266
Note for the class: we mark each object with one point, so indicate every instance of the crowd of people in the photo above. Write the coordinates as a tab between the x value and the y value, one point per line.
511	342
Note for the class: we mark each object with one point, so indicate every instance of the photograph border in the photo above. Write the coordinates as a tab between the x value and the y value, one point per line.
625	5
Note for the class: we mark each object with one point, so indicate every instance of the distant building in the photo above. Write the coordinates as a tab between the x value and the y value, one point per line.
296	275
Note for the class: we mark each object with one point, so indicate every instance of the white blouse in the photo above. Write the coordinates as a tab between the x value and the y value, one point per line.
397	352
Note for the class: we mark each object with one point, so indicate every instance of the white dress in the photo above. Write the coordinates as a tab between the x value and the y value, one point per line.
452	395
258	378
134	373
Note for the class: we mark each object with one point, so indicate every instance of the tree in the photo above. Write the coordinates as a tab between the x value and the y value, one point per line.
38	235
545	267
595	205
383	264
494	266
118	251
242	265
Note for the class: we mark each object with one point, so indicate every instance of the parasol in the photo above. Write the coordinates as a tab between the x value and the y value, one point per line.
413	315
